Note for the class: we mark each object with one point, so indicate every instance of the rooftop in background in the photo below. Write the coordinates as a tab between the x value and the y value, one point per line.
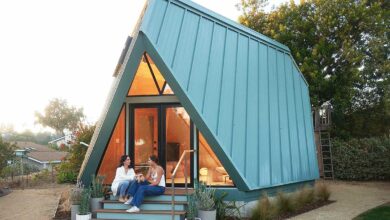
22	145
40	152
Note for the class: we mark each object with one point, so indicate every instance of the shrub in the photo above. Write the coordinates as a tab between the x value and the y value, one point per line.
204	197
284	203
44	175
226	210
75	194
362	159
191	208
84	208
97	188
66	177
264	209
304	196
322	192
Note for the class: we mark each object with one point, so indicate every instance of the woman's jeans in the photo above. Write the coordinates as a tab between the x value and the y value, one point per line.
142	189
123	187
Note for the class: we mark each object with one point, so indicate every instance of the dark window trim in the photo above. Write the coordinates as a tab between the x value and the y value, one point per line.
153	75
161	135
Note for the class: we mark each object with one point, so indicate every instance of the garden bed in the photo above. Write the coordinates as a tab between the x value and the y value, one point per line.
63	207
306	208
4	191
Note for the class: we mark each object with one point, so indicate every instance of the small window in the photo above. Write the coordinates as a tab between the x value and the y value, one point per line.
148	80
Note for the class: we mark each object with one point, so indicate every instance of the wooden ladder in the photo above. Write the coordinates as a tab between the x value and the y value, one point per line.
326	153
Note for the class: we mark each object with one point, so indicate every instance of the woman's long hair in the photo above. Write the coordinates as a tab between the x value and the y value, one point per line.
123	159
154	158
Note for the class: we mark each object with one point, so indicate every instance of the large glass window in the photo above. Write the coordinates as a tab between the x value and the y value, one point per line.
148	80
211	170
177	140
115	149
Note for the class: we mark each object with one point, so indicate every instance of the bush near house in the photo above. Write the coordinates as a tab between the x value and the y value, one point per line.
284	205
362	159
68	170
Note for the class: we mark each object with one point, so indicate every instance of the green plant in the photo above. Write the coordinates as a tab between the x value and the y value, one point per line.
264	209
75	194
284	203
84	208
66	177
322	192
304	196
361	159
97	188
204	197
228	209
191	207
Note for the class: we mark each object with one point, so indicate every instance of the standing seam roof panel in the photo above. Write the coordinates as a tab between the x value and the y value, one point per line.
245	87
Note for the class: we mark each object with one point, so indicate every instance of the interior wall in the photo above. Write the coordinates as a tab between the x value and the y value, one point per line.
115	149
181	126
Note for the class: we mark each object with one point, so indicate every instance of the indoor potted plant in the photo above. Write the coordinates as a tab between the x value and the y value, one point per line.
84	211
75	197
97	192
205	202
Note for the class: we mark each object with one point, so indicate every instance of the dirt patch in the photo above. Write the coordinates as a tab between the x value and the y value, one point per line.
31	203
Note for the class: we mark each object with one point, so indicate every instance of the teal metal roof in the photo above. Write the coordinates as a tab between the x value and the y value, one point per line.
243	91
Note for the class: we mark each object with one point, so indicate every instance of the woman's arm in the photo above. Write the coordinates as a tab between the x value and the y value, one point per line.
160	172
147	177
131	174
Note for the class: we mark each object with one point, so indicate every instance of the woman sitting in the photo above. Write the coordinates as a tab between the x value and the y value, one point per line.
124	177
151	185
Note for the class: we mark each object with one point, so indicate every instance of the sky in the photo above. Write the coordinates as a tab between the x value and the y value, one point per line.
66	49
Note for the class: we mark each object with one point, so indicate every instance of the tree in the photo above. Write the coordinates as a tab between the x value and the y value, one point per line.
340	46
59	116
6	153
68	170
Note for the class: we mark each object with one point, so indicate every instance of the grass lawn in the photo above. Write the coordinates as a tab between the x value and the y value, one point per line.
380	212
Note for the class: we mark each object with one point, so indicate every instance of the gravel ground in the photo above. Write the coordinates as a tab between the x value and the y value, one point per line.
31	203
352	198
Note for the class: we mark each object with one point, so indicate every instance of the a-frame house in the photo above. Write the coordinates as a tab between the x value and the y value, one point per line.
192	79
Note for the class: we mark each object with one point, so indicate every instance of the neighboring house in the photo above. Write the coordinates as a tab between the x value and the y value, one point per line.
66	140
38	155
191	79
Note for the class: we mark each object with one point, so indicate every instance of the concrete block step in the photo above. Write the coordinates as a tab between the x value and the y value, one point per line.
146	205
142	215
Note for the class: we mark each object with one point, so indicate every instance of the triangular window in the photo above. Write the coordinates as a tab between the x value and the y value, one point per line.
148	80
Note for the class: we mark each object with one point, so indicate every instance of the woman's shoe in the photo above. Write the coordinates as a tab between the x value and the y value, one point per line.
121	199
129	201
133	209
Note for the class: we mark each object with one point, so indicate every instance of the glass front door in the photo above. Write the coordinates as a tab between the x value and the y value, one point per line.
165	131
145	136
